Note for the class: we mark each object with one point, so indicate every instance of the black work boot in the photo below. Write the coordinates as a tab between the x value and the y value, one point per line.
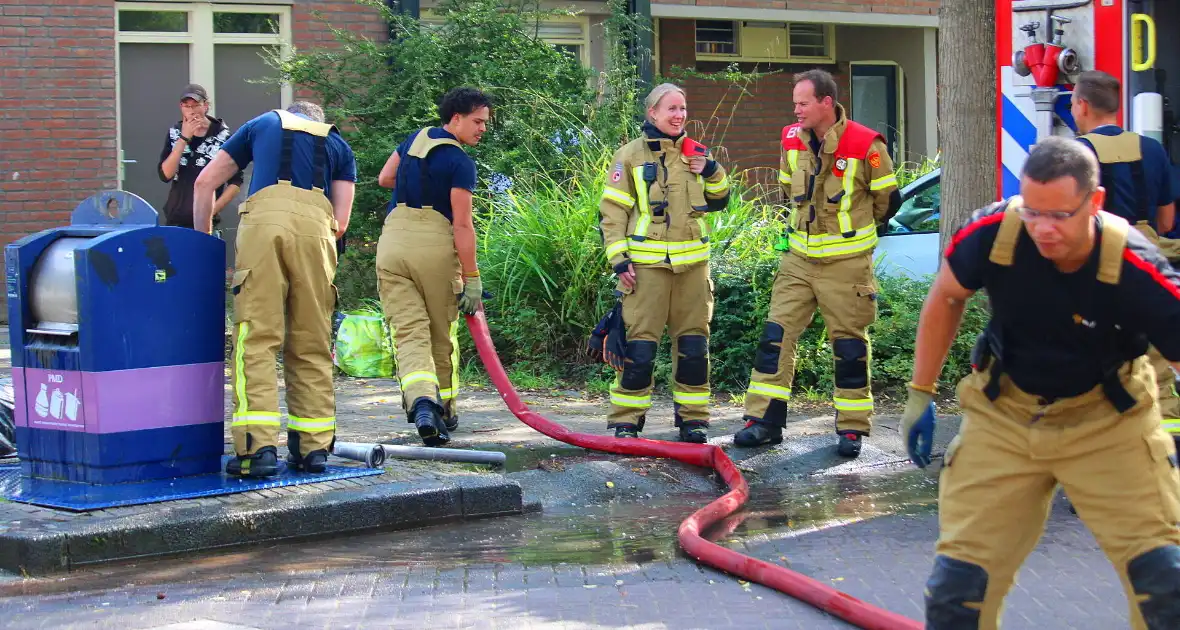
451	422
264	463
626	431
850	442
693	432
758	433
427	418
315	462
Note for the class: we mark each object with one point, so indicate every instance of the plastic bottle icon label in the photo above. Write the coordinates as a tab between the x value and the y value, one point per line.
58	403
42	404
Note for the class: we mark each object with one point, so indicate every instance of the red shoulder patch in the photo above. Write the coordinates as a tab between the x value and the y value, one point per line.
875	159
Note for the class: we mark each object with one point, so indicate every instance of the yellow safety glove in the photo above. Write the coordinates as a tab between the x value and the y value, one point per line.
917	424
471	299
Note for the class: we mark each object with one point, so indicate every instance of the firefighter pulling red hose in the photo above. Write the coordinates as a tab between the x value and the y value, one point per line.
818	594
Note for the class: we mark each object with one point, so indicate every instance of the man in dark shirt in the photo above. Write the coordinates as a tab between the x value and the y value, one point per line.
300	202
191	144
1061	393
426	256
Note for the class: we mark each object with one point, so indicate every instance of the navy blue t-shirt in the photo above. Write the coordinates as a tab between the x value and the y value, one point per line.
1157	179
447	167
263	136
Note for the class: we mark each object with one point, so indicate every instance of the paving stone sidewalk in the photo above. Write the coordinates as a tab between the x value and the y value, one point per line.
372	583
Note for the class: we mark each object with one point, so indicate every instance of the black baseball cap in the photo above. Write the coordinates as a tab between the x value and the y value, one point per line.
195	92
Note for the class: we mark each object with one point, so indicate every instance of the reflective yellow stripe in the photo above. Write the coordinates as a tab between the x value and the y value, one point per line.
414	377
771	391
883	182
618	196
717	187
240	367
850	404
644	221
454	390
793	159
310	425
256	418
823	245
674	252
1171	425
635	402
694	398
447	394
615	248
784	177
846	199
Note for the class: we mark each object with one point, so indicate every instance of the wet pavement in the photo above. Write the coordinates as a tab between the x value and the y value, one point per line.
612	564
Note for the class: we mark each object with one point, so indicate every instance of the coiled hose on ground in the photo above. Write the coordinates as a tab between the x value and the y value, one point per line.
818	594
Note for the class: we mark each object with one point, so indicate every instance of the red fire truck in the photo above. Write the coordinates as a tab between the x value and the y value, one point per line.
1041	46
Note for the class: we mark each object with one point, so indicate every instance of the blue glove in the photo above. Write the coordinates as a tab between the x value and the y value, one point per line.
917	426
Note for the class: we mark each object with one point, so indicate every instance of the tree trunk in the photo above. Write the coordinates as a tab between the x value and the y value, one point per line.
966	109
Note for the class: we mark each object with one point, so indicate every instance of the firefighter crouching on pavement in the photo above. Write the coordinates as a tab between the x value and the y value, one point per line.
654	229
299	203
426	268
838	180
1059	393
1135	172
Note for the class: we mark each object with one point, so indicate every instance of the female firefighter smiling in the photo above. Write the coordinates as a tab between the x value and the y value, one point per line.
652	221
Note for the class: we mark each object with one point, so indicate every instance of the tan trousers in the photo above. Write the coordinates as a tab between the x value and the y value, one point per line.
284	296
846	295
1000	474
683	302
418	276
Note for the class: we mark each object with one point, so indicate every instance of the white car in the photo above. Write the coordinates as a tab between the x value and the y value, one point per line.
910	247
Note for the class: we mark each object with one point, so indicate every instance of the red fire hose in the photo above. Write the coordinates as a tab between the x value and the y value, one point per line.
818	594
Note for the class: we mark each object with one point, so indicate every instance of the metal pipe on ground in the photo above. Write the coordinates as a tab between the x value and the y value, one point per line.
373	455
822	596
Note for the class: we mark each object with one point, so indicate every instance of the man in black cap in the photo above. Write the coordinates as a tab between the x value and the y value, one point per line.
191	144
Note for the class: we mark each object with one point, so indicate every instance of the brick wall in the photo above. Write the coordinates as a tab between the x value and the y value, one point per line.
743	129
57	110
309	29
909	7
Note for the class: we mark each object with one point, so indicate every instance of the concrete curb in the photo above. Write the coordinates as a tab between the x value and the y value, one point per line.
334	512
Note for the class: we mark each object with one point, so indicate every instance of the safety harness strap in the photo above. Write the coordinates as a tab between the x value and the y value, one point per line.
1124	148
1004	247
422	145
291	124
1113	231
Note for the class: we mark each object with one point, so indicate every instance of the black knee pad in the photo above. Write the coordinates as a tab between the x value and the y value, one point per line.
952	584
1156	574
692	366
769	349
852	366
638	367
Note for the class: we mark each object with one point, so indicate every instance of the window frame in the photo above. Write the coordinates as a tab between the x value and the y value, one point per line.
739	28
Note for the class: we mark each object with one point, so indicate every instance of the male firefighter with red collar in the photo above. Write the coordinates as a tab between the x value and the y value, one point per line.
839	184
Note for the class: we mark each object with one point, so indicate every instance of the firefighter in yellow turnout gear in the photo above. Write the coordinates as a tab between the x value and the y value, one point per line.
426	268
1060	394
839	183
299	204
654	228
1136	173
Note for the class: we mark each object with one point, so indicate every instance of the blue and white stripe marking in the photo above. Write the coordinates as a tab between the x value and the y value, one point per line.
1019	132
